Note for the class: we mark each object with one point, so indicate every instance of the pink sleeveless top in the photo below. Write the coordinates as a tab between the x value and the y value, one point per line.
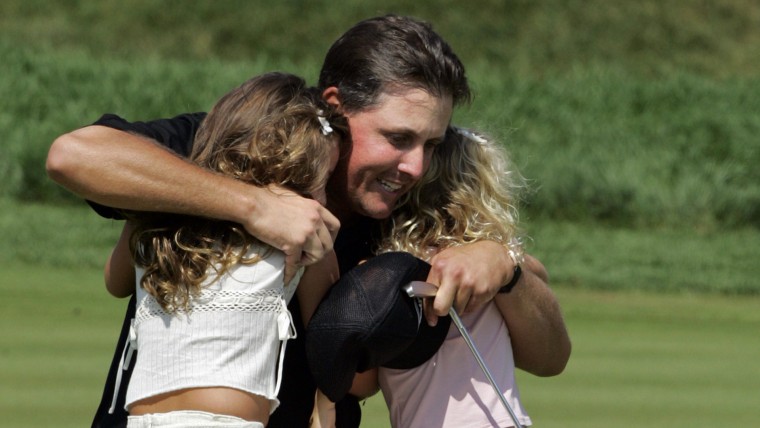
450	389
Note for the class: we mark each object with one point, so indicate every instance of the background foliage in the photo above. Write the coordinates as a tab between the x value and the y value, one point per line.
641	114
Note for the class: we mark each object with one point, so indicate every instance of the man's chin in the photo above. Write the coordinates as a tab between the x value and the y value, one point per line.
377	212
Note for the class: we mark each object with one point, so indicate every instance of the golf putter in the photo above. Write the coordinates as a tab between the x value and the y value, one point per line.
424	289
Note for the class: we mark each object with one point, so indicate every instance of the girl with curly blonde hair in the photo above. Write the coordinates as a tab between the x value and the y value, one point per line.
470	193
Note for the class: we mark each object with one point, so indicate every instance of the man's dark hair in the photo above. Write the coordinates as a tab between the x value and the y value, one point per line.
390	53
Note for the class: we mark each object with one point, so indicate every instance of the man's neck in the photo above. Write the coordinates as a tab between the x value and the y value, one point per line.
343	212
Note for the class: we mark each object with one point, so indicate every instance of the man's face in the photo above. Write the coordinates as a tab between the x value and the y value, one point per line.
392	143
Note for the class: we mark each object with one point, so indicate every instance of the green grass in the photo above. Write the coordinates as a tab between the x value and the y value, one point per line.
645	347
677	360
641	359
59	330
656	260
50	236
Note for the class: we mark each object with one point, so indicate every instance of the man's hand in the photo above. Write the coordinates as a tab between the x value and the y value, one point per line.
468	277
471	275
302	228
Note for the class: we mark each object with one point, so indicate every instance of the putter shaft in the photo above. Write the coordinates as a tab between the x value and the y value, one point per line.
421	289
466	336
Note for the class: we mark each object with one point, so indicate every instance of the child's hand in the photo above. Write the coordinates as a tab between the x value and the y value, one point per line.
323	415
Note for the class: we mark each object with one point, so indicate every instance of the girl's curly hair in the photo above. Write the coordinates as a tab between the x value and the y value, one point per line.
266	131
469	193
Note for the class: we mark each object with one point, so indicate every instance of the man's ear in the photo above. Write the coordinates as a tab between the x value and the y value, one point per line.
332	96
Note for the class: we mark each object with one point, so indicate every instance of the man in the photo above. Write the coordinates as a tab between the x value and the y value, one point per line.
397	82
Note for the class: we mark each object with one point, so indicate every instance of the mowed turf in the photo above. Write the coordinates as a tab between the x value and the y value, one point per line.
653	360
638	359
57	335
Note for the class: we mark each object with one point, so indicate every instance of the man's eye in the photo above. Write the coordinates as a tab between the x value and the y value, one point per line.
398	139
432	144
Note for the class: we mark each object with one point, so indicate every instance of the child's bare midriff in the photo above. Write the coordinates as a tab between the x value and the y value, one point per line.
223	401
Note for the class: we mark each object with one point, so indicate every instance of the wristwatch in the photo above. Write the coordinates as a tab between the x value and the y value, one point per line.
515	251
512	282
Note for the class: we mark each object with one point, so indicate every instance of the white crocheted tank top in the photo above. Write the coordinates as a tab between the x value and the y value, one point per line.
232	335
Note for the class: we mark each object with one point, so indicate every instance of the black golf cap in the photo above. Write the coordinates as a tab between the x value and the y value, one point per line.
367	320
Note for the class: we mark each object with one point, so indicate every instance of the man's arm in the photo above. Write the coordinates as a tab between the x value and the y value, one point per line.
122	170
540	341
470	276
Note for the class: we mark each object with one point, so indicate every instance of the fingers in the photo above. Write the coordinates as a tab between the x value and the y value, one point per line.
300	227
467	278
427	309
448	296
332	224
319	241
453	291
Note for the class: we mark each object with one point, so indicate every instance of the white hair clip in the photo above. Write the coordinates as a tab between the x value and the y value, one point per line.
466	133
326	128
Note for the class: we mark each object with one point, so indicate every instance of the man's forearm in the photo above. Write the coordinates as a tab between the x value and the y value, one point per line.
540	341
121	170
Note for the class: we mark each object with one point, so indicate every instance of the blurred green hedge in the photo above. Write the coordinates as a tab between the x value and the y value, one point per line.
632	113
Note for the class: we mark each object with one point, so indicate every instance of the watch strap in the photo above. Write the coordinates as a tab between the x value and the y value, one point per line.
512	282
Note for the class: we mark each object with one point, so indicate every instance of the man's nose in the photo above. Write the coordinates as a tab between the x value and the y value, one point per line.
413	162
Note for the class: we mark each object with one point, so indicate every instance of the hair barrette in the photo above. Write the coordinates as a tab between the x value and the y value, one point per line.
326	128
471	136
